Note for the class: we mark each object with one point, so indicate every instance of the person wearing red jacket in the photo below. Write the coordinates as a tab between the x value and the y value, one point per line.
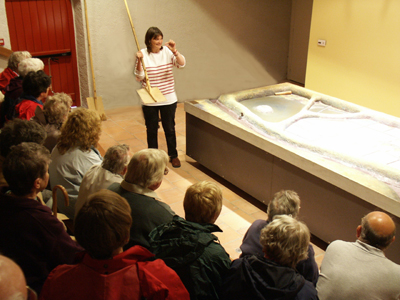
12	68
36	87
104	271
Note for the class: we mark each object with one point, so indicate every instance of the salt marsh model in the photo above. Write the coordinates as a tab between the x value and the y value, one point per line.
334	153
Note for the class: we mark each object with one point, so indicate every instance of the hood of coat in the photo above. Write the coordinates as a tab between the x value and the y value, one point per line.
182	242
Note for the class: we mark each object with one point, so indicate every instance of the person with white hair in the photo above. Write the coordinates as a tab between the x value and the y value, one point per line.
145	174
12	68
273	276
112	169
14	89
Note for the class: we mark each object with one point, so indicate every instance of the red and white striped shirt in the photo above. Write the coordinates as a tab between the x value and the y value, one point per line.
159	68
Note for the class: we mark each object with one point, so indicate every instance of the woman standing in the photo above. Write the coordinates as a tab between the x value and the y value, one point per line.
159	62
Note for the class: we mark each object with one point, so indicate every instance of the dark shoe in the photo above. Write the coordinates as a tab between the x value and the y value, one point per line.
176	163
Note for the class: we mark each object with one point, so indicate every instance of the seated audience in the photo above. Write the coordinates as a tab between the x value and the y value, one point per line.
144	175
113	169
12	68
360	270
105	271
36	87
14	89
54	114
12	281
14	133
74	154
29	233
189	247
285	202
273	276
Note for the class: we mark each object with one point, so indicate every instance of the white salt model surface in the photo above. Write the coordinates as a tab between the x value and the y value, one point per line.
354	136
265	109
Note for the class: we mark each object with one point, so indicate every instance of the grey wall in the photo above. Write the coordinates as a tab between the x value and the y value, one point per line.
229	45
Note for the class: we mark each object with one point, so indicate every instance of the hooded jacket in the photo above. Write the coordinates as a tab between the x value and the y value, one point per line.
194	253
257	278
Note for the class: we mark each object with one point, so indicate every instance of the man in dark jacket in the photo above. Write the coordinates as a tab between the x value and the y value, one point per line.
29	233
273	276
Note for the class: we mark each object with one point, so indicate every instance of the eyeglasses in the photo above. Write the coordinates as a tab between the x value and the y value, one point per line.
166	171
31	293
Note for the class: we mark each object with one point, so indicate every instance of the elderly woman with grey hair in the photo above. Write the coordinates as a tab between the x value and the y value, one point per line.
145	174
54	114
285	202
12	68
273	276
112	169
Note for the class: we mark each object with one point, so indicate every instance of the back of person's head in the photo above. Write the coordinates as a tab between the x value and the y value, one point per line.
17	131
12	280
147	167
103	224
56	108
35	83
81	129
285	240
203	202
116	159
16	57
24	164
377	230
152	32
285	202
30	65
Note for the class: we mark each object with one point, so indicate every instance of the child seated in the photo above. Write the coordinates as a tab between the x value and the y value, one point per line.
189	247
104	271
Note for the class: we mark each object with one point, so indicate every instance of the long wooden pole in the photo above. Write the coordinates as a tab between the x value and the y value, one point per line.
90	50
148	86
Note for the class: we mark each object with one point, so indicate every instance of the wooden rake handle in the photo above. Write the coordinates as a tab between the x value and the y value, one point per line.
148	86
90	51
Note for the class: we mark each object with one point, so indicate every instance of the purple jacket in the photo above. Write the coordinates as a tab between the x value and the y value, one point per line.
34	238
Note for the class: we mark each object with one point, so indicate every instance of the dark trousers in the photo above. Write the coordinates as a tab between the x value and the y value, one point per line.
151	115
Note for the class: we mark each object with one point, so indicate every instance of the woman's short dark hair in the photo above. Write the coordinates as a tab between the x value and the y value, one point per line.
152	33
103	224
35	83
23	165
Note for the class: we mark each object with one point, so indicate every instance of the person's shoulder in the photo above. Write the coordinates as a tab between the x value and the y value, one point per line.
93	169
307	292
258	225
216	252
339	244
